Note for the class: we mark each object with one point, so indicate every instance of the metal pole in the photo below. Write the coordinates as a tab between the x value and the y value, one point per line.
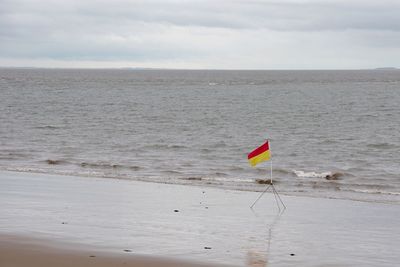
276	198
271	169
273	188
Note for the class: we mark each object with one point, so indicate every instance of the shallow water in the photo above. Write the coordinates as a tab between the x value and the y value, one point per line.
196	127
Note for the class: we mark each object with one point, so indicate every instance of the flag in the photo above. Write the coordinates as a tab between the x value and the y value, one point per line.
259	154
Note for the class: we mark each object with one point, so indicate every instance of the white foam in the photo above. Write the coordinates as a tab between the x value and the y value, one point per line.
303	174
374	191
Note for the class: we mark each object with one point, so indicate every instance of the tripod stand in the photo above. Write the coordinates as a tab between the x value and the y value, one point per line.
276	195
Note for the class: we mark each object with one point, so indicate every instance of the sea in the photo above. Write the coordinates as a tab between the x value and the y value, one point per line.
333	134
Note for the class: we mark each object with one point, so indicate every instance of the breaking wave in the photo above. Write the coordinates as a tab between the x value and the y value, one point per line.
327	175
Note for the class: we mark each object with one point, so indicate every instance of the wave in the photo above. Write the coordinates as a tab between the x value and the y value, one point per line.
371	191
282	171
221	178
236	168
92	165
56	161
276	171
192	178
381	146
49	127
327	142
172	172
327	175
108	166
220	144
14	154
158	146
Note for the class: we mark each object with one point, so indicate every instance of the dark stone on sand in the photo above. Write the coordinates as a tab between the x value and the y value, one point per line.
176	210
263	181
194	178
127	250
207	247
64	223
292	254
92	256
334	176
52	162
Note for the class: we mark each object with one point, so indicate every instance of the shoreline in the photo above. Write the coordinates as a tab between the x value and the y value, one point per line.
196	224
391	198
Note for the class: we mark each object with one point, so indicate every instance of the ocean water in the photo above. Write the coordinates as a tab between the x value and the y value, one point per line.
332	133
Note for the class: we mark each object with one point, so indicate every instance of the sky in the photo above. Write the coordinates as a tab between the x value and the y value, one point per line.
207	34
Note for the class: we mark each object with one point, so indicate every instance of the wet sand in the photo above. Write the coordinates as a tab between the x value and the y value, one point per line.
52	220
21	251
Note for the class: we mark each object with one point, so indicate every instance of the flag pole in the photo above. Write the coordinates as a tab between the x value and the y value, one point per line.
269	145
271	181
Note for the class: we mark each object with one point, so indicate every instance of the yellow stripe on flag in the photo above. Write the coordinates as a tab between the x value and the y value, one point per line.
259	154
260	158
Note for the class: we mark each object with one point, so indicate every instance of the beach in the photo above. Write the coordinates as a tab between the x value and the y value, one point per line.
65	219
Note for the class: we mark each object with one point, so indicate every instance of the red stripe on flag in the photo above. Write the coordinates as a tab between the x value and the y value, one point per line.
259	150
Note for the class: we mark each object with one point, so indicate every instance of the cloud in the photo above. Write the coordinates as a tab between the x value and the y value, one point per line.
200	33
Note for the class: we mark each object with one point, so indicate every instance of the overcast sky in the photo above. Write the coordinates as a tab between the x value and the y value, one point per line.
240	34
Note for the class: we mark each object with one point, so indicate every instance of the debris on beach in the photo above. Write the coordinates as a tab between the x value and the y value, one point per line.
53	162
207	247
333	176
263	181
193	178
127	250
176	210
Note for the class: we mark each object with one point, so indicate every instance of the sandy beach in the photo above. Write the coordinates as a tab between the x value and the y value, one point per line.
50	220
34	252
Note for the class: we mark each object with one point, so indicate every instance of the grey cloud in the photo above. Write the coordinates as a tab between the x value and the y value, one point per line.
186	30
274	15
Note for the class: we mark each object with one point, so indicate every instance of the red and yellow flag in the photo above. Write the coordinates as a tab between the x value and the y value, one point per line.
259	154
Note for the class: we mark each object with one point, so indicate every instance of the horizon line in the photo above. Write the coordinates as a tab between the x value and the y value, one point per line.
194	69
